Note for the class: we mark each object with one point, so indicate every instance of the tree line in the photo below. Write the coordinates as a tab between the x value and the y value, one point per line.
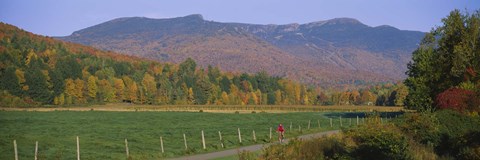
36	70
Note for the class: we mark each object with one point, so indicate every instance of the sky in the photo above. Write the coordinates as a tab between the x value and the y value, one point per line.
62	17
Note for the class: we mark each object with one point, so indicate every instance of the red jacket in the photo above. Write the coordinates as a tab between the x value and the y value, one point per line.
280	129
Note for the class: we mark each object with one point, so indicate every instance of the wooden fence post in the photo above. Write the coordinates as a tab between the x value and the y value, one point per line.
318	123
239	136
15	149
185	141
254	137
161	143
203	141
331	123
308	124
78	148
341	121
126	148
290	126
270	133
36	149
299	128
357	120
220	135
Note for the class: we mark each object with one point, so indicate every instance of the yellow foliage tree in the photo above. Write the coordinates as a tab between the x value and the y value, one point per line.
119	88
190	98
254	98
92	87
149	86
69	90
133	90
31	55
79	89
225	98
106	90
278	97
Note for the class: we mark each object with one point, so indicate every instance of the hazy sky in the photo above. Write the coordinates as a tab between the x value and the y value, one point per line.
62	17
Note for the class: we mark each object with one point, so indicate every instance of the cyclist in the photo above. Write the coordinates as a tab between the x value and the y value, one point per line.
281	132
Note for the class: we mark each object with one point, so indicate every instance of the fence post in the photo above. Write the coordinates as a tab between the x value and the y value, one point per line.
290	126
36	149
270	133
254	137
203	141
331	124
15	149
357	120
308	124
318	123
239	136
126	148
161	143
299	128
341	125
220	135
78	148
185	141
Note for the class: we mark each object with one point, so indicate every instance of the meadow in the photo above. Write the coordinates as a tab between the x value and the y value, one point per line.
102	133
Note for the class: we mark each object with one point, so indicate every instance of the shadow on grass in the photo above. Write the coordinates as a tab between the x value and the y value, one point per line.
361	114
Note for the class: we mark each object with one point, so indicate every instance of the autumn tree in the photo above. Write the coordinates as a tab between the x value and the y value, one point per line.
149	86
92	87
447	57
79	91
119	88
106	91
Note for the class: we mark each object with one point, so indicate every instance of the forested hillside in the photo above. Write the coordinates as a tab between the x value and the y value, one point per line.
37	70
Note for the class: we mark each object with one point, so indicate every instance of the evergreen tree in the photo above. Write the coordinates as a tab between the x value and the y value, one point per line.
58	82
37	86
9	81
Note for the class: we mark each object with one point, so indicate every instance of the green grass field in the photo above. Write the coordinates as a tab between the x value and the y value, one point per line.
102	134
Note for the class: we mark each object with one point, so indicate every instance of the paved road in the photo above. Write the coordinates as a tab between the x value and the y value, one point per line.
247	148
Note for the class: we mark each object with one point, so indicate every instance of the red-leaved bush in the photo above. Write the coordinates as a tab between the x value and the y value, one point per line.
457	99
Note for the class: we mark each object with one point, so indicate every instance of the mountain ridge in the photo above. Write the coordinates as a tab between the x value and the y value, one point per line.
321	52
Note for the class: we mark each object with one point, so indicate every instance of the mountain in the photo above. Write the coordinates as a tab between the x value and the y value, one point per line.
340	50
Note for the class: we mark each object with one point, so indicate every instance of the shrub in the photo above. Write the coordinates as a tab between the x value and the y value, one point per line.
319	148
421	127
246	155
468	146
460	135
454	124
456	99
376	141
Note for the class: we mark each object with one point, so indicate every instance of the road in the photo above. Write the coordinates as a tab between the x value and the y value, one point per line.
247	148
